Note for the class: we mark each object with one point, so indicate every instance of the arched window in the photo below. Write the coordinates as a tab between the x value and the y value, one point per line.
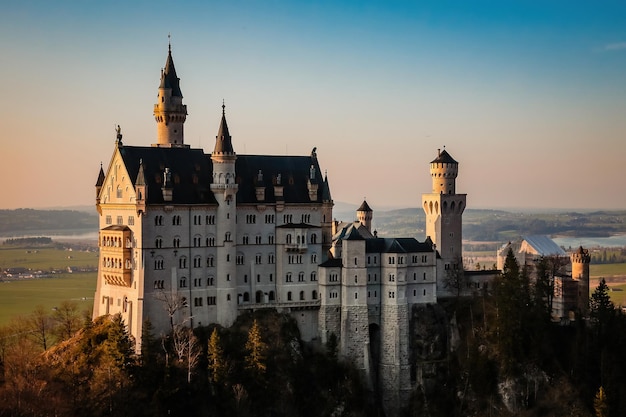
246	296
288	238
314	295
301	295
313	238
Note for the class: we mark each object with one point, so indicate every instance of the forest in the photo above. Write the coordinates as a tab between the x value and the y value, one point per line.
508	359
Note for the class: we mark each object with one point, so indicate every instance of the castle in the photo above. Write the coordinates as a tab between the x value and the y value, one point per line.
188	238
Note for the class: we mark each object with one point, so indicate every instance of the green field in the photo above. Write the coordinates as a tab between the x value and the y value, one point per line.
45	258
607	270
21	297
617	294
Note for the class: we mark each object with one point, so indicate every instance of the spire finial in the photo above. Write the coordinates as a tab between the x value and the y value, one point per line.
169	42
223	108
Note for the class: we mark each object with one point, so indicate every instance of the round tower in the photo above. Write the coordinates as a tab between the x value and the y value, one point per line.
169	112
580	272
364	215
444	214
443	171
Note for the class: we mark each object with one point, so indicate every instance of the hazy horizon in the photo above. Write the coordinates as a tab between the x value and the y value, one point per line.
529	97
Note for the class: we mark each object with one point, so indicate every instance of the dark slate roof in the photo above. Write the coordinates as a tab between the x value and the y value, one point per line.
332	263
444	157
353	234
294	174
364	207
169	78
396	245
100	180
192	173
297	226
223	140
326	190
117	228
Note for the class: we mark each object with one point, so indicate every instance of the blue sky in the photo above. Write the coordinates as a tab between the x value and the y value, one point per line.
529	97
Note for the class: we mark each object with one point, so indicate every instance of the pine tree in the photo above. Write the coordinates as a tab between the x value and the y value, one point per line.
601	308
257	349
601	404
512	295
215	353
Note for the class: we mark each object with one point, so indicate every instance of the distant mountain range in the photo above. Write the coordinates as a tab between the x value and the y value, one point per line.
478	225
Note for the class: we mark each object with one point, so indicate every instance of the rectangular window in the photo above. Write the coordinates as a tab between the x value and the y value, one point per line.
210	301
108	220
120	220
131	220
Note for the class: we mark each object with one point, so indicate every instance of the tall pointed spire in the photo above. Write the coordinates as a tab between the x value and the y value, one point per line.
169	79
223	140
169	112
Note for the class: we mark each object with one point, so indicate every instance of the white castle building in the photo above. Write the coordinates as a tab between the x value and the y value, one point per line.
193	239
188	238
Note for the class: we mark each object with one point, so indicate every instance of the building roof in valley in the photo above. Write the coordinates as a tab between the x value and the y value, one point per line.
542	245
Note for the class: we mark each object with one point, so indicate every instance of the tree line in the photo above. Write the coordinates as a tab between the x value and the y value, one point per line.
512	359
65	364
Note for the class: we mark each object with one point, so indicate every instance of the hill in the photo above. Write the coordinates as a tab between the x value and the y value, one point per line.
30	221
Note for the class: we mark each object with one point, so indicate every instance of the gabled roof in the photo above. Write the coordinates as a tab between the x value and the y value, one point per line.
346	229
543	245
444	157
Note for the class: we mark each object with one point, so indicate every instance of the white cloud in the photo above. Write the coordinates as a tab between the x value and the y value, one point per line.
615	46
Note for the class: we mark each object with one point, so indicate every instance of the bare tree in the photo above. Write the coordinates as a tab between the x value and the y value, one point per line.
67	320
41	324
172	303
187	348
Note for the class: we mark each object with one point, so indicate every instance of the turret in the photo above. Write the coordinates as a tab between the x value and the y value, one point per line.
169	112
141	189
364	215
580	272
224	187
99	183
444	214
327	217
443	171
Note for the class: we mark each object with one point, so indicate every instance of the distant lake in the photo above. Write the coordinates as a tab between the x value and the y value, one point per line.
591	242
57	235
